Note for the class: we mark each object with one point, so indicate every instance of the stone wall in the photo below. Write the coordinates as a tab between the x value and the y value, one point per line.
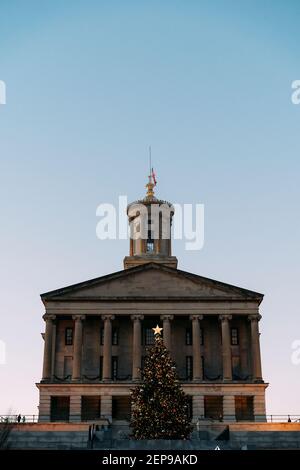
75	436
109	390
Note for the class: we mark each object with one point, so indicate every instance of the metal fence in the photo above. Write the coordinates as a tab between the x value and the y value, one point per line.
18	419
286	418
283	418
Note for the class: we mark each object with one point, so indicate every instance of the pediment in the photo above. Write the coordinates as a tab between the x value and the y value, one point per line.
151	281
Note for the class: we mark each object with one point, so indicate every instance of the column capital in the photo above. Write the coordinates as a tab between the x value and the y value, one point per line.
167	317
78	317
196	317
137	317
48	317
107	317
254	317
225	317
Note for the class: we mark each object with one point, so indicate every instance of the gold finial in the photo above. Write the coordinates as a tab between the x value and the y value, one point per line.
152	180
150	185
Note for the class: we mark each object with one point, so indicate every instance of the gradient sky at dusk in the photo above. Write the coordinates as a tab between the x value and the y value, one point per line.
90	85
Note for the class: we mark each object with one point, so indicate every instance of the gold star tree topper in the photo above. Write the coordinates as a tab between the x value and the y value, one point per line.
157	330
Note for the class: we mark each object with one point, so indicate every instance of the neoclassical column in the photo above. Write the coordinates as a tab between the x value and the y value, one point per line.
197	362
167	330
226	347
53	349
107	346
255	348
137	346
49	319
77	351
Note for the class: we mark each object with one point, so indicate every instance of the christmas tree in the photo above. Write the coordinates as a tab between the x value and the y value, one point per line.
159	405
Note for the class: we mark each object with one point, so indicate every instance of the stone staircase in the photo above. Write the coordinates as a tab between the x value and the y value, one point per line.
118	437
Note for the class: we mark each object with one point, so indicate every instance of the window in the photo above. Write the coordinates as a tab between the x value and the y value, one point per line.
150	246
115	336
188	336
68	336
114	368
189	367
244	409
149	336
234	336
59	408
213	407
121	408
90	408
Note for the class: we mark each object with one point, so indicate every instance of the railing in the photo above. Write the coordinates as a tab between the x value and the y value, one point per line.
283	418
22	419
286	418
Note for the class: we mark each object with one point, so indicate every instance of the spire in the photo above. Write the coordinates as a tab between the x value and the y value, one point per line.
152	180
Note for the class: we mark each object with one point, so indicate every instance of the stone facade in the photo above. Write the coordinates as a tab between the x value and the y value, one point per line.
97	332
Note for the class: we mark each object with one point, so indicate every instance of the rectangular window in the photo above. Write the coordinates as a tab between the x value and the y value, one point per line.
244	410
189	367
188	336
234	336
114	367
121	408
90	408
150	246
59	409
115	336
149	336
213	407
69	336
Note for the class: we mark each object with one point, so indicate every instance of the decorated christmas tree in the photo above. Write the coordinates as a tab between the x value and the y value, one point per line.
159	405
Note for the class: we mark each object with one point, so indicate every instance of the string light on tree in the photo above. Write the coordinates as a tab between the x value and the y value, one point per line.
159	405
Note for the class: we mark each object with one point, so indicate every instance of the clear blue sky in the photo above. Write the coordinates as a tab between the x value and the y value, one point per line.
90	84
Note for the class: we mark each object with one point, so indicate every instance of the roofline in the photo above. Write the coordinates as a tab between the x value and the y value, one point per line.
135	298
142	267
